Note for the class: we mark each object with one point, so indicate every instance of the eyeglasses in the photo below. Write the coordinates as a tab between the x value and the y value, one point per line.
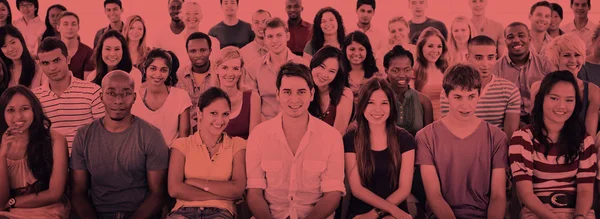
26	5
114	95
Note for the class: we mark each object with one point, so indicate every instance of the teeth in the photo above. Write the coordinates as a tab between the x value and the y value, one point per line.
296	107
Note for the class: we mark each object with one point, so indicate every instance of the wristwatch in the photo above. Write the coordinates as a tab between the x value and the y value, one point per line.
12	202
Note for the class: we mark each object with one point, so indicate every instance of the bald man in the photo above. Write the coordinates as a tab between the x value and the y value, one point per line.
121	159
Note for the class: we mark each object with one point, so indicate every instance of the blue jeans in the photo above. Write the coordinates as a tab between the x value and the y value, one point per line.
200	213
119	215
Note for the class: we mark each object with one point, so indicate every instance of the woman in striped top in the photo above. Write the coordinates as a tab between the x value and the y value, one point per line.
553	161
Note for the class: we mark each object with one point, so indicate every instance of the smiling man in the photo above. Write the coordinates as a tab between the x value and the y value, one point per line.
365	10
262	73
294	162
113	10
176	25
581	24
521	66
499	101
473	186
256	49
540	17
68	101
30	25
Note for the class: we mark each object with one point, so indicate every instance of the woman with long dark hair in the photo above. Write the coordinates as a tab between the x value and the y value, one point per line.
333	100
159	103
112	53
34	158
22	67
328	29
5	13
359	61
52	21
553	160
379	156
430	66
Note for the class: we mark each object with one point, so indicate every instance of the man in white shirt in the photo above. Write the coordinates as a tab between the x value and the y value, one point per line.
581	24
256	49
365	10
30	25
294	162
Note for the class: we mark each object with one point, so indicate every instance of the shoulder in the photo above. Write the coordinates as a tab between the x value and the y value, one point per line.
38	90
57	137
323	129
535	86
348	93
594	92
84	47
245	24
423	98
180	93
428	130
145	127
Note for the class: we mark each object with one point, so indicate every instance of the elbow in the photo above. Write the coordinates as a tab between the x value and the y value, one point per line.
173	190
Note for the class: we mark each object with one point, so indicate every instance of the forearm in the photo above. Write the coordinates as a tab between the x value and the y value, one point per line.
258	205
82	206
399	196
226	189
33	200
4	183
370	198
584	202
326	205
533	203
152	206
497	208
440	208
191	193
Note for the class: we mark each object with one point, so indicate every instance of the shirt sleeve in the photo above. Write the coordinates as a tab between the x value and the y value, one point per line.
514	100
88	61
332	179
406	141
583	74
96	105
348	140
520	156
77	151
587	162
254	172
598	162
500	150
424	152
181	144
444	104
308	48
184	101
251	80
157	151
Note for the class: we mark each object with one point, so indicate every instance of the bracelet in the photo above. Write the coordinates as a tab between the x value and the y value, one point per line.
206	186
579	215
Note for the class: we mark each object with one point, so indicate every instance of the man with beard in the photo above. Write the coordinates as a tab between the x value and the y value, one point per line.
119	162
256	48
521	66
365	10
79	53
486	26
294	162
232	31
176	24
113	10
262	73
540	16
581	25
195	78
300	30
420	21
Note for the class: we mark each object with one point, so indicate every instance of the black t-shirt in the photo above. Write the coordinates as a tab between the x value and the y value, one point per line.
380	184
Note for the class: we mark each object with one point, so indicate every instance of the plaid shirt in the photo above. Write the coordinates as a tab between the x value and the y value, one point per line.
188	83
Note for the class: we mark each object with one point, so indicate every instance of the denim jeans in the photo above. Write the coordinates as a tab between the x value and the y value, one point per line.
200	213
119	215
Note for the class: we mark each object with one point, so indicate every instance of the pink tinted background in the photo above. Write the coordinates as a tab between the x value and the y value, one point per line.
154	12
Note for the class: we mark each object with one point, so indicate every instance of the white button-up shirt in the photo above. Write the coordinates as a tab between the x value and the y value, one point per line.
293	184
586	33
32	31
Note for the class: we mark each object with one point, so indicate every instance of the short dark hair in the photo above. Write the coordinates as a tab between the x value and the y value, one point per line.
589	2
118	2
517	24
481	40
276	22
236	1
365	2
35	3
51	43
558	9
463	76
396	52
197	36
292	69
211	95
66	14
540	4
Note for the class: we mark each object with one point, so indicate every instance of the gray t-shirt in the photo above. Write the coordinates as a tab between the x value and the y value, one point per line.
416	29
117	163
464	166
237	35
590	72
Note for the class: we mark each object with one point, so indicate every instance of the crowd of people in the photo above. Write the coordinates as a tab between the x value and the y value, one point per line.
298	120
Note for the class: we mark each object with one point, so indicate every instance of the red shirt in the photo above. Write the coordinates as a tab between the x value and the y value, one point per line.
299	36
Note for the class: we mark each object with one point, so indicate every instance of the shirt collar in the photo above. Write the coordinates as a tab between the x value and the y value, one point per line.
188	70
267	58
224	141
46	83
510	62
278	123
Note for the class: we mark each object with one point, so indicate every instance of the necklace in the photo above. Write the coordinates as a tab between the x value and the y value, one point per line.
209	148
146	93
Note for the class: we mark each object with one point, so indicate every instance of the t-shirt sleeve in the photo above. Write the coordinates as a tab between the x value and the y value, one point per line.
181	145
184	101
500	150
424	152
88	61
520	155
349	142
157	151
406	141
77	150
238	144
587	162
442	28
308	48
514	100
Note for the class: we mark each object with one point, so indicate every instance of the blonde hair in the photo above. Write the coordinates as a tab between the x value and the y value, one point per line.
191	4
402	20
421	62
141	48
452	44
229	53
559	44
